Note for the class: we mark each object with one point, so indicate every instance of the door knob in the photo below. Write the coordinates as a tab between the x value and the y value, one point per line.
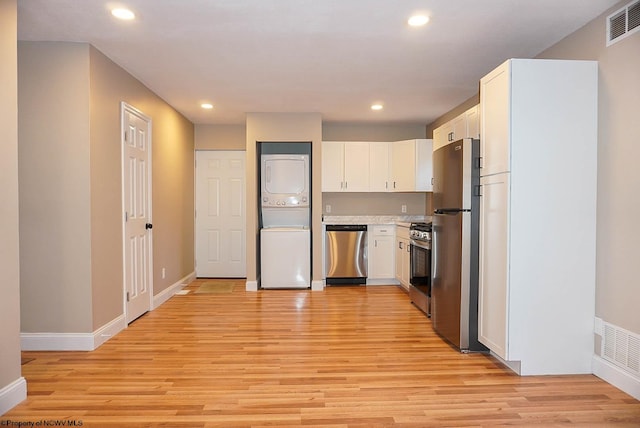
148	226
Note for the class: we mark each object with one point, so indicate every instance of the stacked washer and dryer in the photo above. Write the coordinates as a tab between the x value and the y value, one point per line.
285	237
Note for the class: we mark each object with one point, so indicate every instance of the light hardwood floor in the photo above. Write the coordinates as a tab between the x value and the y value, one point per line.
345	357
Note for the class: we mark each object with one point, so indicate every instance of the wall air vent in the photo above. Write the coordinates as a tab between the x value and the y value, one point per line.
623	22
621	347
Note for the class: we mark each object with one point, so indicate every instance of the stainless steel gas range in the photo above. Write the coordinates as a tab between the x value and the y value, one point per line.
420	266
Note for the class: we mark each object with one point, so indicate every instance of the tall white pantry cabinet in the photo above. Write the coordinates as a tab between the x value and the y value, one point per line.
538	214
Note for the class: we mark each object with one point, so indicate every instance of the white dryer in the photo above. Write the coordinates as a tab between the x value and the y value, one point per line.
285	257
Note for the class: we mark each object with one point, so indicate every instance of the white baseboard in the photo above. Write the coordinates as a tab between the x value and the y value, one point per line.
72	341
168	292
616	376
108	330
12	395
56	341
317	285
251	286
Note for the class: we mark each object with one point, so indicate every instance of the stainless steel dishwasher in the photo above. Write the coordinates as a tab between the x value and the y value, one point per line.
346	254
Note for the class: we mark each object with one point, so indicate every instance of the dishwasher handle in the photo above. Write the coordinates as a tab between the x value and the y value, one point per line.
346	227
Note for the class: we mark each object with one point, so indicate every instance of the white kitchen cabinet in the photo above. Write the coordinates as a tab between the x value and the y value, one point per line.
379	161
381	263
412	165
473	122
403	256
538	214
494	259
345	166
495	150
332	166
465	125
440	136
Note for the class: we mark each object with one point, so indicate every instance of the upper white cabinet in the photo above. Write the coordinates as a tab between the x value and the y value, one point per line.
472	117
412	165
379	166
538	214
399	166
345	166
495	109
465	125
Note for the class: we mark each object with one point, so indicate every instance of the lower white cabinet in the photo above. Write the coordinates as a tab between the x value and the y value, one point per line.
402	251
381	261
493	296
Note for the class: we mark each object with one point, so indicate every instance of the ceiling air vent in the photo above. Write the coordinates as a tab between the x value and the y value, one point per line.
623	22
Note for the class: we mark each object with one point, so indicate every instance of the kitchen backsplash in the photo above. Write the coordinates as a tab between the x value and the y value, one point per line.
349	203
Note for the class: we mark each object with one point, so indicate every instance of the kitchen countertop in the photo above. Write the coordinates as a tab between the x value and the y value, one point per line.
402	220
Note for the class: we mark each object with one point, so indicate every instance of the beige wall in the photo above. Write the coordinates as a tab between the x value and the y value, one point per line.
284	127
348	203
220	137
70	182
54	175
172	186
617	267
332	131
9	251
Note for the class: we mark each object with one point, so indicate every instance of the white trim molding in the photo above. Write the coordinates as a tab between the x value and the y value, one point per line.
72	341
12	394
617	377
168	292
251	286
317	285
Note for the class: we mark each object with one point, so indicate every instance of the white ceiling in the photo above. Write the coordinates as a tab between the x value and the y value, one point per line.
335	57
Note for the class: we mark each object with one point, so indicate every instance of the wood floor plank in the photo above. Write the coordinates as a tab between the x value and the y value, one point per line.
345	357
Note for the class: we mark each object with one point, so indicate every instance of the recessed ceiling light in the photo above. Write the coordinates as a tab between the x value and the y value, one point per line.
376	107
418	20
122	13
207	106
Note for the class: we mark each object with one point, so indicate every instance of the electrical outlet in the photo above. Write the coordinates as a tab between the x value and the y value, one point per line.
164	273
403	208
328	209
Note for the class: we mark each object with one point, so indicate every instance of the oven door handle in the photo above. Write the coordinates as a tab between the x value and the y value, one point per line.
420	245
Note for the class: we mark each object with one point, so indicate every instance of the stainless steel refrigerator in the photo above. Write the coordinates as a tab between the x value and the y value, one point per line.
455	239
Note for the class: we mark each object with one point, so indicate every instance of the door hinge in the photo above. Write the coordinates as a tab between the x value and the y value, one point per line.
478	190
128	296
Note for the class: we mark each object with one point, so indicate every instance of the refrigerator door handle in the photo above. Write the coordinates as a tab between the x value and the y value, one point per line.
450	211
434	255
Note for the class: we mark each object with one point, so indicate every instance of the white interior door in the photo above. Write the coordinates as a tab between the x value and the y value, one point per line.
136	194
220	214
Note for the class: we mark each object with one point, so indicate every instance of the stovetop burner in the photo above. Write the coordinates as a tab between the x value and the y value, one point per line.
420	231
